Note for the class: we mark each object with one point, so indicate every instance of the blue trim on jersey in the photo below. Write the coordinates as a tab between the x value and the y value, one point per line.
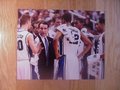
61	67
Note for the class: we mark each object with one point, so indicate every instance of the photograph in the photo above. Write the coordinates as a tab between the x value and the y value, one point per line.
60	44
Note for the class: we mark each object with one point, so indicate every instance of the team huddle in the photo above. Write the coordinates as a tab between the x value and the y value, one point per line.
60	45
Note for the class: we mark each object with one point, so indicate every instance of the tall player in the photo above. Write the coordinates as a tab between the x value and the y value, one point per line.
34	57
71	37
25	39
101	46
96	61
52	29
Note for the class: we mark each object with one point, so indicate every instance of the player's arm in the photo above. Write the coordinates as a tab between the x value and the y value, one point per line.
103	41
30	40
88	44
55	43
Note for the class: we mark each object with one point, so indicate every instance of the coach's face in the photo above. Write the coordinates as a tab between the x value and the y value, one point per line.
43	30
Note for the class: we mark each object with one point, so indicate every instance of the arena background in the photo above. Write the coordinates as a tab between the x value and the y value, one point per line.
8	25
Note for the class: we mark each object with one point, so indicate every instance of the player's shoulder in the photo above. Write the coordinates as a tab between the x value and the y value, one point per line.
30	35
75	29
62	26
84	30
21	30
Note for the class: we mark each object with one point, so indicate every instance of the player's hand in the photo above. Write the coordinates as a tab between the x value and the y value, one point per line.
81	56
58	56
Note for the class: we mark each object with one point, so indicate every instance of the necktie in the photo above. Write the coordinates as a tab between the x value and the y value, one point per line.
46	46
46	50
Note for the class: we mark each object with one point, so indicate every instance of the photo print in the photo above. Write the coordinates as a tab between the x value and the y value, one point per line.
60	44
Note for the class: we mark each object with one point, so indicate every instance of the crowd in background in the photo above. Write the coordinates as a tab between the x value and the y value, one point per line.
90	17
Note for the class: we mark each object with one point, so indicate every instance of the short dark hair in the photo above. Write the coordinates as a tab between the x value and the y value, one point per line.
101	20
81	20
43	23
67	17
33	23
24	19
73	23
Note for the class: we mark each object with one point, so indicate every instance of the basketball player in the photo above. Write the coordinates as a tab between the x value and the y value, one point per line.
34	57
71	37
25	39
98	71
52	33
101	30
52	29
83	61
101	45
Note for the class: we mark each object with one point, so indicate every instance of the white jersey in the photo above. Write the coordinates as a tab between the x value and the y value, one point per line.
90	36
36	40
96	61
22	46
52	32
71	41
100	46
86	33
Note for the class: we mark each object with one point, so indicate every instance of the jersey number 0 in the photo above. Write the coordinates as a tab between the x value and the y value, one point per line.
20	45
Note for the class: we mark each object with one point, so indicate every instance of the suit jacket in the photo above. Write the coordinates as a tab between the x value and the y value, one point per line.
46	64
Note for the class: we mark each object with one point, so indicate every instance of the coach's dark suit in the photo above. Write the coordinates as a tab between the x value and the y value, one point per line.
46	64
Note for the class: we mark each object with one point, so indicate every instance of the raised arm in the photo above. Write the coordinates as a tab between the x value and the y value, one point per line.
30	40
